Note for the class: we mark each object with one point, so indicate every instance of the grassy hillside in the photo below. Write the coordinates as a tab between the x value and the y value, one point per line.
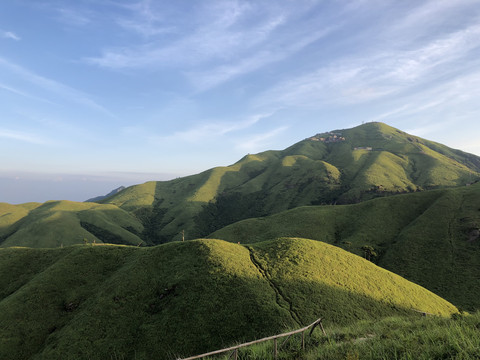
343	166
102	302
62	223
431	238
340	167
424	338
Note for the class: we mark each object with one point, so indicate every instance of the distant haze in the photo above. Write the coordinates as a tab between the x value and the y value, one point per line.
17	188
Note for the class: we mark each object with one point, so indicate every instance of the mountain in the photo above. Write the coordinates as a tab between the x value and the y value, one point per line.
431	238
182	298
339	167
63	223
111	193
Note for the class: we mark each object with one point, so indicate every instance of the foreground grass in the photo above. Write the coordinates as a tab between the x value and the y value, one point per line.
390	338
406	231
185	298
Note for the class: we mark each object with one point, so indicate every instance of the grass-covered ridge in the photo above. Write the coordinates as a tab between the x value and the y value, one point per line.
343	166
340	167
431	238
103	302
63	223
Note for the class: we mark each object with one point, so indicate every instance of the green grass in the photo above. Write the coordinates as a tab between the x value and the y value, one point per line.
425	237
114	302
63	223
307	173
422	338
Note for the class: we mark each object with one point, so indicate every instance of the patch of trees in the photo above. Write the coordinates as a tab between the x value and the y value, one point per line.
104	235
228	208
370	253
153	220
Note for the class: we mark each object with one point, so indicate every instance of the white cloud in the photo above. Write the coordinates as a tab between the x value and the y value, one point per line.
365	78
10	35
210	78
144	19
215	129
221	40
419	62
23	93
259	142
53	86
428	14
213	37
21	136
72	16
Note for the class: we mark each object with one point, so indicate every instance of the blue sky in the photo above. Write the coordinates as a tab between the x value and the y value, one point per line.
96	94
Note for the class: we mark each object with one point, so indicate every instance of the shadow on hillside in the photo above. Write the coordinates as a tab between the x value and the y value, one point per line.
161	302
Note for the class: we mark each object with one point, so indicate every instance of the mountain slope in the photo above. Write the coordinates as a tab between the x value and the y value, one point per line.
340	167
62	223
344	166
431	238
101	302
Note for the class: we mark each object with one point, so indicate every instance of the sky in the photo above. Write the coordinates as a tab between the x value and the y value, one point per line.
95	94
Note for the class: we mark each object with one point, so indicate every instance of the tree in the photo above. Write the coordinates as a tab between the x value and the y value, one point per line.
369	252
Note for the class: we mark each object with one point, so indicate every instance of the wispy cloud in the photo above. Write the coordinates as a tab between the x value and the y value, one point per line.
23	93
10	35
206	79
73	16
438	99
383	73
427	14
214	38
221	40
215	129
53	86
211	38
14	91
21	136
144	19
259	142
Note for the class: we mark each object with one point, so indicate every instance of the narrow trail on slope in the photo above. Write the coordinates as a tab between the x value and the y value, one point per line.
280	298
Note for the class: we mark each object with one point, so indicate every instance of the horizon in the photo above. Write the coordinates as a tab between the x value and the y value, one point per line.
107	93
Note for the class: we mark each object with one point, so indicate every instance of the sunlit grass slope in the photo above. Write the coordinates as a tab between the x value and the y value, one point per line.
113	302
398	338
62	223
343	166
424	338
431	238
339	167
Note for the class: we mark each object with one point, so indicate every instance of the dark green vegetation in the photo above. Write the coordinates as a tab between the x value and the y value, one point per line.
431	238
341	167
344	166
423	338
121	302
118	302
